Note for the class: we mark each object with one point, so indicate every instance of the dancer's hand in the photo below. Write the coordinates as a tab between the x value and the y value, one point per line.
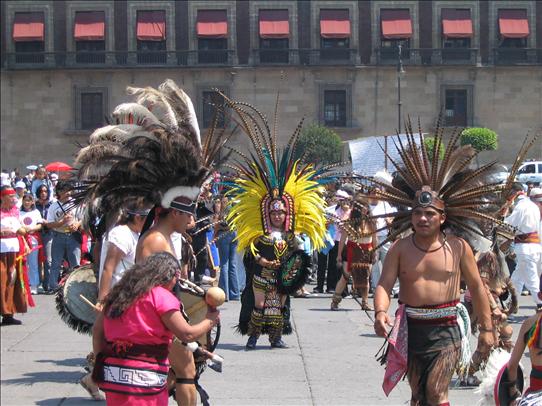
213	315
486	339
382	322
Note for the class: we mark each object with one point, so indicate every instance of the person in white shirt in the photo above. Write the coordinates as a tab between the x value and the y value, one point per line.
525	217
12	295
536	197
379	207
31	219
67	238
118	249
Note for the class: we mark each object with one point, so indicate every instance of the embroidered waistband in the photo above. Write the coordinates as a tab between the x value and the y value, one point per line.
441	313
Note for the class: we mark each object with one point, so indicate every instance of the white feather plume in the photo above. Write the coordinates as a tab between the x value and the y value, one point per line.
192	192
183	106
488	376
119	132
155	102
133	113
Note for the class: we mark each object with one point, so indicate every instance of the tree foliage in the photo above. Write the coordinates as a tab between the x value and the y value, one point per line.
429	143
481	139
322	145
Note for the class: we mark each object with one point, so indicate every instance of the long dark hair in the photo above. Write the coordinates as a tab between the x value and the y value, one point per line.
39	189
157	270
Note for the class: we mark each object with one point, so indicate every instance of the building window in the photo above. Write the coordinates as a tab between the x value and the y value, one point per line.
151	37
335	108
89	36
29	37
212	30
334	34
91	110
274	31
456	109
396	29
213	104
457	33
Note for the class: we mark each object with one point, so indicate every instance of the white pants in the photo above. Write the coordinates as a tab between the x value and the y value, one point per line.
527	274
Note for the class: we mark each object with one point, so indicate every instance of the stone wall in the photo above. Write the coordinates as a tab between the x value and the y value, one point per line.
38	107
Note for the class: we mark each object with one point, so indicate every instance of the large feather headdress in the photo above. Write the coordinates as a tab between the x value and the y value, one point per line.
468	196
151	153
271	178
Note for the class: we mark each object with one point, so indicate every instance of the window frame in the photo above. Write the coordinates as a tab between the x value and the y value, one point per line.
78	104
347	88
469	88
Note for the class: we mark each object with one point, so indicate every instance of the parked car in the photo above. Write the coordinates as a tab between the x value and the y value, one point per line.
499	174
530	171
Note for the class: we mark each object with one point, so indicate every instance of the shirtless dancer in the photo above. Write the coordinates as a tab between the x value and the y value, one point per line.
429	339
429	266
158	239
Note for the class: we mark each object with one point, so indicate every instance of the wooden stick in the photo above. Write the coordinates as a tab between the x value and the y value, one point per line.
89	302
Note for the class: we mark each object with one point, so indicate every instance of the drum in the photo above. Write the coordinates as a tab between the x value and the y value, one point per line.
194	310
293	272
73	310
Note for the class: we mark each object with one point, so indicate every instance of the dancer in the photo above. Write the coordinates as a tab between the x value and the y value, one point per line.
429	340
156	158
276	198
12	244
132	335
360	231
499	289
530	336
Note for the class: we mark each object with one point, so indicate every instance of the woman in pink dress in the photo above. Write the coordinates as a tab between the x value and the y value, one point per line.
133	333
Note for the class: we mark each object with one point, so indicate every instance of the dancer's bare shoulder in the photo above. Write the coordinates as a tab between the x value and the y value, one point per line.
152	242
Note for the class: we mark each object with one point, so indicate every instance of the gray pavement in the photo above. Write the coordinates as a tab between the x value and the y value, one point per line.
330	361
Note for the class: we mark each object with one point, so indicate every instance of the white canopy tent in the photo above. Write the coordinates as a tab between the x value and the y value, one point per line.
368	153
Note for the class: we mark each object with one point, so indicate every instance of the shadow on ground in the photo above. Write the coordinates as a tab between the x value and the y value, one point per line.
73	401
49	376
70	362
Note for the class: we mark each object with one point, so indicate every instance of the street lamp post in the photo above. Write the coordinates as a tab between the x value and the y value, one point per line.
400	71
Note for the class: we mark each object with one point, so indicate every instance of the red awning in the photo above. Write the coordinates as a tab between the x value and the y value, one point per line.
456	23
151	25
212	24
89	26
513	23
334	24
274	24
396	23
28	27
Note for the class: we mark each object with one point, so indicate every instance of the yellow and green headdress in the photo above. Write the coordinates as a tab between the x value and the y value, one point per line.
270	179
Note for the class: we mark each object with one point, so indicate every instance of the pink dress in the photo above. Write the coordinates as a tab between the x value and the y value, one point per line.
139	379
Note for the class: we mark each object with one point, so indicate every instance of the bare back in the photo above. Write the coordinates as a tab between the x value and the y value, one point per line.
428	278
151	242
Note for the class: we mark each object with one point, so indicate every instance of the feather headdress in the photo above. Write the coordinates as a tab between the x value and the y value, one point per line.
272	179
422	178
151	153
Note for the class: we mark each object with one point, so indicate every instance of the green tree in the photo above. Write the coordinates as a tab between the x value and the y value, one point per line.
322	145
481	139
429	143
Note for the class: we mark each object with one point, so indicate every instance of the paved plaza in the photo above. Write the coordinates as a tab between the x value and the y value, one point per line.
330	361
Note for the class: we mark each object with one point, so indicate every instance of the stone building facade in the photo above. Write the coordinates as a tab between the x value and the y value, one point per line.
334	62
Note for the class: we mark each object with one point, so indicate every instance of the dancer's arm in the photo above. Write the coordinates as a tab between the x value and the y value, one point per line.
176	323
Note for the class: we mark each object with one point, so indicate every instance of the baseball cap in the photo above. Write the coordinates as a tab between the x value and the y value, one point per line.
53	176
20	185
